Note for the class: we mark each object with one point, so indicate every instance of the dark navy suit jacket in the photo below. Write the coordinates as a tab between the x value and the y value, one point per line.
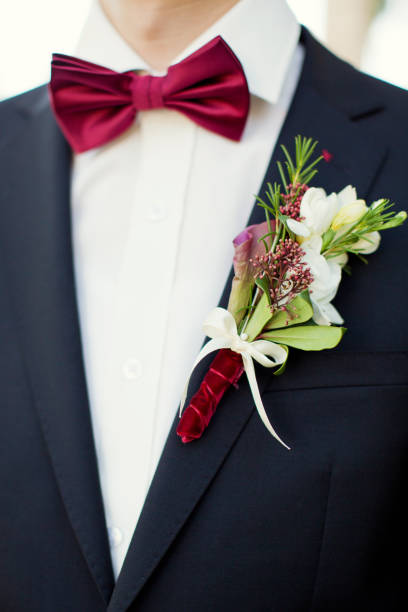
234	521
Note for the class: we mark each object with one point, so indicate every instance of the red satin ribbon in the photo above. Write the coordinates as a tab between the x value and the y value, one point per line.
94	105
225	370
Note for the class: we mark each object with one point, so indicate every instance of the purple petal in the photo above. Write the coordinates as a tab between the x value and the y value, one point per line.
246	247
242	237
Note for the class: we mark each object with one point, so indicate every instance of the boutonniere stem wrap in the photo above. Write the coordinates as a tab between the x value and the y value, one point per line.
225	370
287	273
221	327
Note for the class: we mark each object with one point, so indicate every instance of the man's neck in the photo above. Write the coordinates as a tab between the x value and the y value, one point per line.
159	30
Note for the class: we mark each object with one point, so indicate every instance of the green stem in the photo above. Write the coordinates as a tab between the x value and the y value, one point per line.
250	311
268	220
277	235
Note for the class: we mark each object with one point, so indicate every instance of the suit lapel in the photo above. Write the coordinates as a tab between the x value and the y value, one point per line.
185	471
35	243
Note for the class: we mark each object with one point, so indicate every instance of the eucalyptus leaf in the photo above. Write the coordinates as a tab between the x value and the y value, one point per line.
301	309
307	337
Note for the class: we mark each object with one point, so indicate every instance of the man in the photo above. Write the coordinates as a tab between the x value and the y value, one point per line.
109	261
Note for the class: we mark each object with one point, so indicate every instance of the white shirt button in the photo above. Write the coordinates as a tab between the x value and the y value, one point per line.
132	369
115	536
155	213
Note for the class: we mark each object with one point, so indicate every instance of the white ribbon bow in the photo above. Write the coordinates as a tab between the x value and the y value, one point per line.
220	326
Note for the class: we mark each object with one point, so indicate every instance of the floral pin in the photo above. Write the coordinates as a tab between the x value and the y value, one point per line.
287	272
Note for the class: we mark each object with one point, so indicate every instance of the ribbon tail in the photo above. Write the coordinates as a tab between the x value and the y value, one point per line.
253	384
213	345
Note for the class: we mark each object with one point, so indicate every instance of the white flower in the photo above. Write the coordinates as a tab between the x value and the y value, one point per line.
327	276
346	196
298	228
349	214
368	244
317	210
340	259
337	211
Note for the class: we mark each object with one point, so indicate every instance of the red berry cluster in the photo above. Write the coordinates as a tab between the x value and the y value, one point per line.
292	201
285	271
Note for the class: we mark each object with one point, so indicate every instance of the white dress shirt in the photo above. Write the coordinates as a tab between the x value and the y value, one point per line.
153	215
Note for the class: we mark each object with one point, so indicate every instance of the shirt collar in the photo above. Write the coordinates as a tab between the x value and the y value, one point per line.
262	33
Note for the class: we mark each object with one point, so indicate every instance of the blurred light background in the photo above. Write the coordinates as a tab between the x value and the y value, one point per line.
371	34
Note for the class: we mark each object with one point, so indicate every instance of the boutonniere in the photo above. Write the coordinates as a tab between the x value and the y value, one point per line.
287	272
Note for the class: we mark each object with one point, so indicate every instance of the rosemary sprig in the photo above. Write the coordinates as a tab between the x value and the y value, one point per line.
378	217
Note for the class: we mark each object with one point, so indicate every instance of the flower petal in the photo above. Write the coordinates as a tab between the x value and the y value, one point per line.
346	196
341	259
246	246
368	244
348	214
325	314
298	228
331	313
317	210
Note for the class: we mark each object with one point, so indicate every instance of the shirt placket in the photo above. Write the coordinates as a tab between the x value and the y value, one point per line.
141	309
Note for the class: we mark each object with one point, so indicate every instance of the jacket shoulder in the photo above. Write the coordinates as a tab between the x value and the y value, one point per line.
18	108
349	89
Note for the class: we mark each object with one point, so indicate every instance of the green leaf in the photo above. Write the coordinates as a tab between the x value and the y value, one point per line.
312	165
307	337
282	174
327	238
289	162
263	284
301	312
395	221
282	367
259	318
240	298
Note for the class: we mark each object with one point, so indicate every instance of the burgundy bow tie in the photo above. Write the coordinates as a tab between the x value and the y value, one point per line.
94	105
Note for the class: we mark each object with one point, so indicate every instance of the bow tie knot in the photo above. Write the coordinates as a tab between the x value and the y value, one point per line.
93	104
147	91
